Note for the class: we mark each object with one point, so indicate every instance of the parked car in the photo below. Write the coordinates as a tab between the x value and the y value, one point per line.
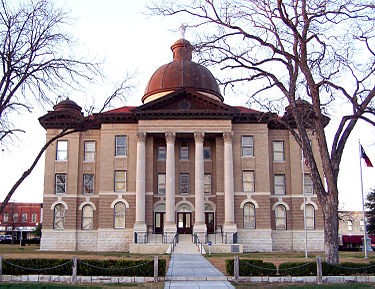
5	238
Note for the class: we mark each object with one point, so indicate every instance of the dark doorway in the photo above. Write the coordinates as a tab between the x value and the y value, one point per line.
184	223
159	222
210	222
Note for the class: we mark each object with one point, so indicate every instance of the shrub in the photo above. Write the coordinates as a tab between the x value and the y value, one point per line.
142	268
297	269
250	267
348	268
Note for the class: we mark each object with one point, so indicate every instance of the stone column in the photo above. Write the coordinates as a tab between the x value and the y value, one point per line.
140	195
199	223
170	224
229	225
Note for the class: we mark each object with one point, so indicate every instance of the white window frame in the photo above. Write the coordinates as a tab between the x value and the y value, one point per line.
162	152
247	146
33	217
280	217
279	184
87	221
6	218
350	225
278	149
309	187
310	217
60	186
184	183
248	181
24	217
120	183
161	183
119	215
15	217
121	148
249	216
59	217
89	151
62	150
184	150
207	184
88	184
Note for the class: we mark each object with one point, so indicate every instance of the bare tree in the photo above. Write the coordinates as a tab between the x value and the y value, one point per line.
77	125
320	51
34	64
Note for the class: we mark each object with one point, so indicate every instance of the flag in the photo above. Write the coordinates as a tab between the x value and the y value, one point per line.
365	157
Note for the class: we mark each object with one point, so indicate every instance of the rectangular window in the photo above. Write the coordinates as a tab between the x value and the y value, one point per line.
60	183
207	153
278	151
247	146
162	153
207	183
184	183
350	225
15	217
361	225
120	145
62	150
308	189
33	217
24	217
279	184
120	181
89	155
88	184
248	181
6	218
184	150
161	184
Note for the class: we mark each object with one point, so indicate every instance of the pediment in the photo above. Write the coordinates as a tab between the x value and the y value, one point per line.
185	103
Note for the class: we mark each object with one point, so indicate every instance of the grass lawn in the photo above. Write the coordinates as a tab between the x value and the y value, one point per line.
289	286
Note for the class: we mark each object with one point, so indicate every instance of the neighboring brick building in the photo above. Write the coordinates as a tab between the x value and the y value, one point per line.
19	217
182	162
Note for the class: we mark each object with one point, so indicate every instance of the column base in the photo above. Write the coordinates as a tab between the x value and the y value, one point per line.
200	230
230	231
140	233
170	230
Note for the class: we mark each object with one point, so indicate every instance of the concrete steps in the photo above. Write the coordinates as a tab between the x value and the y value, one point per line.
185	245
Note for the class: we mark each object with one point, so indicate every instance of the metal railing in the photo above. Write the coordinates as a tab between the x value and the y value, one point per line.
174	242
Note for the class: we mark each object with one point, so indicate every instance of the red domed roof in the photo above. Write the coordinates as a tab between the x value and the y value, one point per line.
181	73
68	105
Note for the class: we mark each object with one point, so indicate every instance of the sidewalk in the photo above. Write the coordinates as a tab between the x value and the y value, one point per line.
194	271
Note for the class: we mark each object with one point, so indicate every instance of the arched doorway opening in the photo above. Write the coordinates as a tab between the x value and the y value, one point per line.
184	216
209	216
159	216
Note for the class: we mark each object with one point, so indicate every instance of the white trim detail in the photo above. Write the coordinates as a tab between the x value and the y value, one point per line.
120	200
59	202
249	201
87	202
280	203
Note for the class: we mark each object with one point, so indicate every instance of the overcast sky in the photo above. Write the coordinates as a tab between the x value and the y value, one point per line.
128	41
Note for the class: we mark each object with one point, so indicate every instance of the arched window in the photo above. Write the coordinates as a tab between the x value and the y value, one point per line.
87	217
59	217
310	217
249	216
280	217
119	215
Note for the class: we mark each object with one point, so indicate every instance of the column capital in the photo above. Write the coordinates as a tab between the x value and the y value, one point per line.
170	136
228	136
141	136
199	136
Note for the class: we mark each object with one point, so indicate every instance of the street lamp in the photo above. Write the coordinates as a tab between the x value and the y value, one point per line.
20	228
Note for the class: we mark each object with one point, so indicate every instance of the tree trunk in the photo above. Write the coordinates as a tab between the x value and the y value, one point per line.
330	218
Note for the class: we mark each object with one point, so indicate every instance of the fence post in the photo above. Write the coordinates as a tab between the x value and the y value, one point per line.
319	271
74	270
1	268
156	268
236	269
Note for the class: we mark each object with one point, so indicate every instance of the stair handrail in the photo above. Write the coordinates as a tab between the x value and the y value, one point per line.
174	242
198	243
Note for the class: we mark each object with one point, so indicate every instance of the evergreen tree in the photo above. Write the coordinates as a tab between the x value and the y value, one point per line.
370	214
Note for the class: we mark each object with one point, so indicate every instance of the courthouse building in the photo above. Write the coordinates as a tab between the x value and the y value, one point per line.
182	162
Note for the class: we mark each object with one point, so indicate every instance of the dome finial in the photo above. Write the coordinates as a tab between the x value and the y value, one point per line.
183	30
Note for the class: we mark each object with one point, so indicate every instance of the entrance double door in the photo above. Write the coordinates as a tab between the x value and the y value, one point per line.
184	223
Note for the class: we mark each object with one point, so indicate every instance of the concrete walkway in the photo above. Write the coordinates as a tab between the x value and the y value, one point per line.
193	271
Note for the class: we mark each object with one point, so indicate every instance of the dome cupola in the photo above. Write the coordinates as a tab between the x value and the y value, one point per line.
181	73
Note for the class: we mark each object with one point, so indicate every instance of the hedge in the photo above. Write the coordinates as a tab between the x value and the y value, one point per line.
298	269
250	267
141	268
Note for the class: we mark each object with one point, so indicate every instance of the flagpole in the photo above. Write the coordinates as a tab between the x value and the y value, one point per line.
304	200
363	201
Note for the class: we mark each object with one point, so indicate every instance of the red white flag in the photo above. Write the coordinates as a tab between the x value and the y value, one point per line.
365	157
